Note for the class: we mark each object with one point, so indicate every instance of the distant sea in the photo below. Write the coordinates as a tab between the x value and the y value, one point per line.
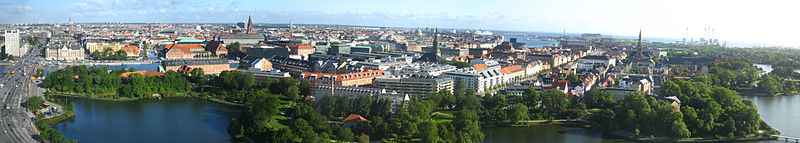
539	43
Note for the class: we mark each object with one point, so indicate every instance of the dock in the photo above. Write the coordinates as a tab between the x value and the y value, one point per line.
786	138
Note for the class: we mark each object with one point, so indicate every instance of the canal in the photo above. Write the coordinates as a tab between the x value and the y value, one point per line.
168	120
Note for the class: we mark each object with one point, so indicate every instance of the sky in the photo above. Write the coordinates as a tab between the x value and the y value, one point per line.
771	22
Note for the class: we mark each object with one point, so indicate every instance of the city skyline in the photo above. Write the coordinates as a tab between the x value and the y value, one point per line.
667	19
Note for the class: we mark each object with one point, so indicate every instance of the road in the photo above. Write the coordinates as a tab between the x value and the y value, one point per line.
17	124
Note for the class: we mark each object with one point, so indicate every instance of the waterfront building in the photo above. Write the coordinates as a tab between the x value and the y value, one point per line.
475	79
131	51
185	51
64	52
259	75
209	65
414	84
100	47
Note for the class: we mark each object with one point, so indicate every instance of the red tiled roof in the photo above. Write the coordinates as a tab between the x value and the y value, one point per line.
354	118
144	73
511	69
480	66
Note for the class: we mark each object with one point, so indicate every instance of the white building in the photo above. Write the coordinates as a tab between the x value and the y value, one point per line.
474	79
588	62
429	69
12	44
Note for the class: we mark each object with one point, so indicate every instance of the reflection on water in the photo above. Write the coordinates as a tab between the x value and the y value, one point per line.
169	120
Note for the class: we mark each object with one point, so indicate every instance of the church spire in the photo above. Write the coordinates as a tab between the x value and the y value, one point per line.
639	45
249	24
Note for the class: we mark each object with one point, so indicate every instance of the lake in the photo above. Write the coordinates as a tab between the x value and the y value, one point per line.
779	112
168	120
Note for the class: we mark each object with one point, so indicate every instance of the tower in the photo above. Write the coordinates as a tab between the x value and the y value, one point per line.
70	25
436	42
249	24
639	46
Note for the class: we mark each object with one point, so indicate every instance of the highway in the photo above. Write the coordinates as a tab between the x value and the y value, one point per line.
16	123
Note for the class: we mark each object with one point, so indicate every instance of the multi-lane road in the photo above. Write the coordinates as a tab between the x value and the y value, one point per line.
16	123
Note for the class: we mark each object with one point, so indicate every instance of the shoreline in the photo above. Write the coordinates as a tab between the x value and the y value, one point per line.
620	134
125	99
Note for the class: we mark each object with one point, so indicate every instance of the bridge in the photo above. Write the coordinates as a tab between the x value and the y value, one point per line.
786	138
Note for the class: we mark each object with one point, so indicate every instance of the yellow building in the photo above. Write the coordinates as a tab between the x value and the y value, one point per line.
102	46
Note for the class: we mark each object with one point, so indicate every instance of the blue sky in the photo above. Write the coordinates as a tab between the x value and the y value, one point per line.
763	21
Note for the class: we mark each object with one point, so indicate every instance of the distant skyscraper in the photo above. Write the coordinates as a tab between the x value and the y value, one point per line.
249	24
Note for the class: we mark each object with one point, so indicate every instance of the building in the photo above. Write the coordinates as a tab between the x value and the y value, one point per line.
479	80
353	120
12	44
591	36
361	49
572	44
454	52
209	66
398	100
262	65
248	38
512	73
414	84
216	48
338	49
64	52
266	51
429	69
131	51
301	49
259	76
589	62
435	55
100	47
184	51
350	78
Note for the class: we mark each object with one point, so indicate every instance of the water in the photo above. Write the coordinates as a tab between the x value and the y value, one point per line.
169	120
768	68
546	134
779	112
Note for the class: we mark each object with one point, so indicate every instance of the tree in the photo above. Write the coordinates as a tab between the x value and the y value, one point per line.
573	79
467	125
518	113
283	135
770	85
599	99
429	132
35	102
301	129
531	97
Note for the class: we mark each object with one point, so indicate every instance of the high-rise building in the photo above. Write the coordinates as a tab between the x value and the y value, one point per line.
12	44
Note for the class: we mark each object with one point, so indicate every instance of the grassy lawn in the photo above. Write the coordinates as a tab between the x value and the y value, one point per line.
440	117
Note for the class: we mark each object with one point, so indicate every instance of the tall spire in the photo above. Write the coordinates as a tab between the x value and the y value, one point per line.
436	42
639	45
249	23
